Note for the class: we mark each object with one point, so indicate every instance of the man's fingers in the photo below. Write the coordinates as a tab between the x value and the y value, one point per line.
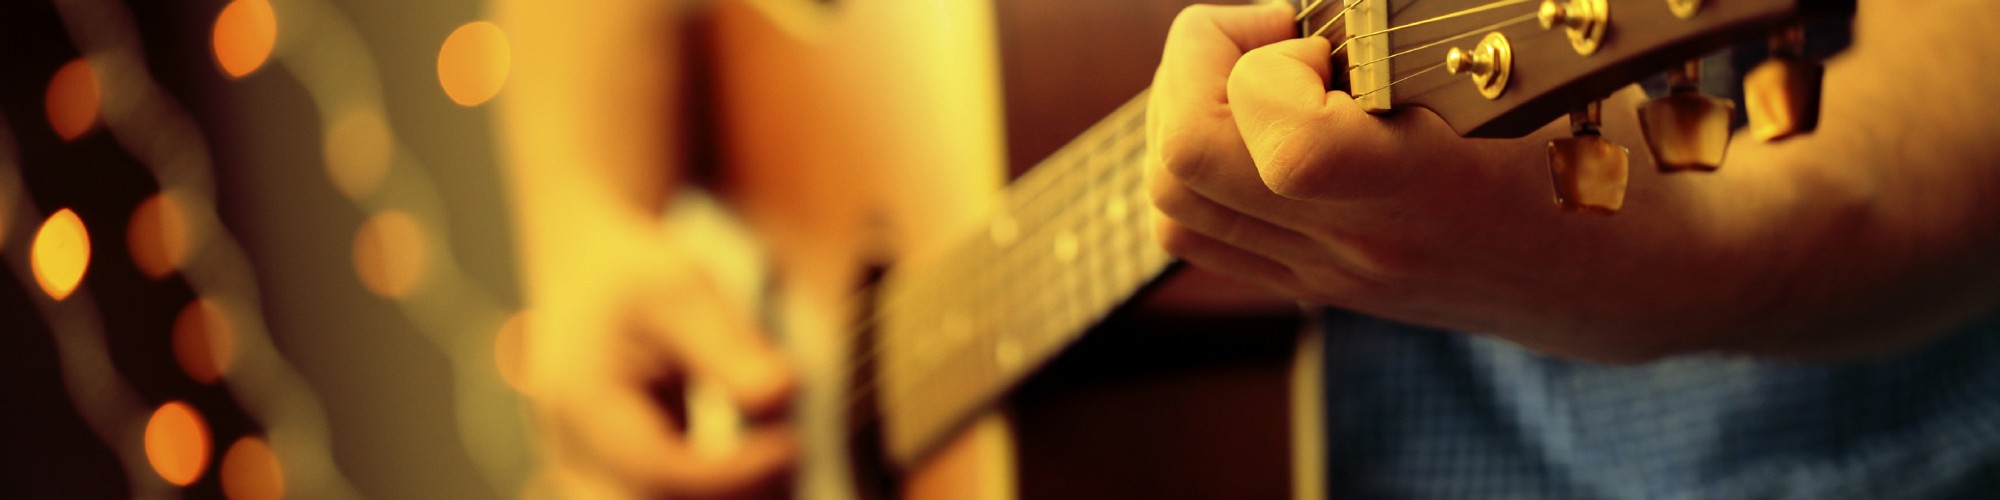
1209	253
1198	213
1308	143
716	341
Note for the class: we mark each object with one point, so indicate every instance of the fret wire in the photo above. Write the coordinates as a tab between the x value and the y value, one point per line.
869	385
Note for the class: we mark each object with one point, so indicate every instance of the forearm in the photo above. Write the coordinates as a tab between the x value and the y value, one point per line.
1883	227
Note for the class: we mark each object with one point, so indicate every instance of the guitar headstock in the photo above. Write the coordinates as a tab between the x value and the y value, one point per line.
1505	68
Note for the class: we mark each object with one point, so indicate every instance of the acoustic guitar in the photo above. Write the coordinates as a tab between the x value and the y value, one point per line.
989	360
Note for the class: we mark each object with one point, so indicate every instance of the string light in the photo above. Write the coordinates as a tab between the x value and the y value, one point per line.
251	472
245	33
390	254
61	254
157	235
177	443
204	344
73	100
473	64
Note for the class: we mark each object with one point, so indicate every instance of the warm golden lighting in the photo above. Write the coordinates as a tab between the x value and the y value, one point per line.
73	100
357	152
61	254
158	235
177	443
389	254
204	343
251	472
473	63
508	345
244	34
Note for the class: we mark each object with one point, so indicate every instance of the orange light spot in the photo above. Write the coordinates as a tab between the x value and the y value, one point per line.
61	254
508	348
74	99
473	63
177	443
157	236
389	254
204	343
357	153
251	472
245	32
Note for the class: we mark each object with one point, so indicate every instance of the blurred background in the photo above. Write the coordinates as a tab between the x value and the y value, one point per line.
226	228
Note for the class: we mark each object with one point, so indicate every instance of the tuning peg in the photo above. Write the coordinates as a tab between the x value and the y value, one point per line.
1782	93
1589	172
1686	130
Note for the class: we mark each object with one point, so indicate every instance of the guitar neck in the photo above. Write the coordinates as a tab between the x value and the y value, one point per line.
1071	243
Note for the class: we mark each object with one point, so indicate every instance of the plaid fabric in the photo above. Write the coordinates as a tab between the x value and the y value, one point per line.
1422	413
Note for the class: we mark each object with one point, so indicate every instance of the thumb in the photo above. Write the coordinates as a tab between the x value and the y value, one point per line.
1309	143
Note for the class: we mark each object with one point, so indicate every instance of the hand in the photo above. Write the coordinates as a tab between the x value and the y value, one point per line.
621	318
612	351
1262	173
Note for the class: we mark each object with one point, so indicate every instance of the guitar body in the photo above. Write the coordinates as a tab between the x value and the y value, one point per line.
852	135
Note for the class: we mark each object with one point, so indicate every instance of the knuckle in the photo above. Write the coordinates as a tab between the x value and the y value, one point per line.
1176	239
1190	16
1182	154
1295	163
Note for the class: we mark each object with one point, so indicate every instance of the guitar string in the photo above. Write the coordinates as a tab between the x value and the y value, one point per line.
1123	142
1475	31
1308	10
1336	18
854	365
1432	67
1453	15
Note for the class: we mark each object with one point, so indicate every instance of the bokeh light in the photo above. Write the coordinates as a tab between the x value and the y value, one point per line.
245	32
61	254
177	443
251	472
157	236
473	64
389	254
508	346
73	100
204	342
358	150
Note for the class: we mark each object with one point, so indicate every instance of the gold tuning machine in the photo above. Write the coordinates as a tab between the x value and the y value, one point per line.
1686	130
1782	94
1584	20
1589	171
1488	63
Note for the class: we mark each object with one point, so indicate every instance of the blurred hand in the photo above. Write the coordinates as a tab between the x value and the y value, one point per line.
622	320
610	365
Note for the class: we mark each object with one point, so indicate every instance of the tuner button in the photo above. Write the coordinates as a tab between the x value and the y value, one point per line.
1686	130
1781	95
1589	172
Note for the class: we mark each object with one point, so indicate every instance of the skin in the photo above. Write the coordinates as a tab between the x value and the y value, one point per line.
1859	240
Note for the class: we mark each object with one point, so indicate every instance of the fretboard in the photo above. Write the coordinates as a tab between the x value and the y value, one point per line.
1071	242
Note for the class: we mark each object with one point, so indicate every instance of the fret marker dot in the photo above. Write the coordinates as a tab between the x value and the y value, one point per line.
1116	209
1003	231
1065	247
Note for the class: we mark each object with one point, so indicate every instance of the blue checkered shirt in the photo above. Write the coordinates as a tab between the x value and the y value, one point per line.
1419	413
